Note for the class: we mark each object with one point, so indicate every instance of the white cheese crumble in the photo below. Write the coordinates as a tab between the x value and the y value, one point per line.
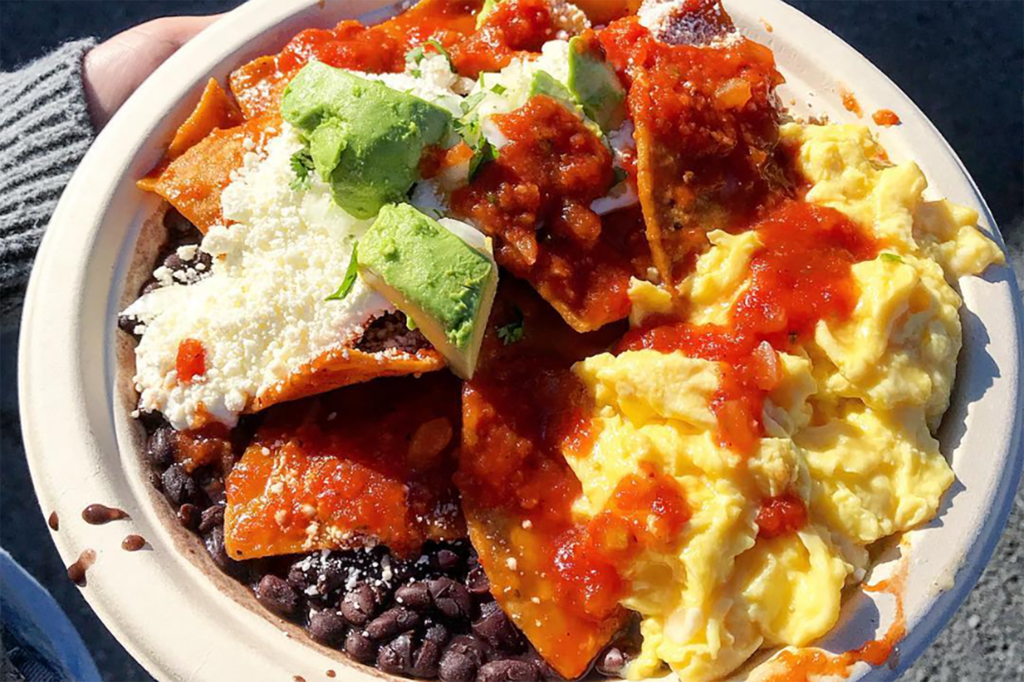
261	313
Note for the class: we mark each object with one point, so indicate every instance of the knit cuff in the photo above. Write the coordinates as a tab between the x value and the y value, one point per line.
45	131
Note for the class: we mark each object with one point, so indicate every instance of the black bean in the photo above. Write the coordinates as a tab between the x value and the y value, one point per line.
189	516
358	606
278	596
161	447
611	661
508	670
426	661
447	560
436	633
451	599
359	646
544	669
204	258
150	286
179	486
391	622
415	596
328	628
178	225
173	262
457	665
211	518
477	582
395	657
332	575
470	646
127	324
214	542
494	626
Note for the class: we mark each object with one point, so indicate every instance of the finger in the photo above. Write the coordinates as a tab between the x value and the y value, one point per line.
113	70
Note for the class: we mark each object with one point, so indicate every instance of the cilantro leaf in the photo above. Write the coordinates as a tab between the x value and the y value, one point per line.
350	278
483	154
440	50
302	166
514	331
891	258
470	102
498	89
618	175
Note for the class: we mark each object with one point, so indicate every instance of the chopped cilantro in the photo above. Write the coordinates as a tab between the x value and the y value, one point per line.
416	55
618	175
350	278
514	331
470	102
498	89
891	258
492	198
302	165
483	154
440	50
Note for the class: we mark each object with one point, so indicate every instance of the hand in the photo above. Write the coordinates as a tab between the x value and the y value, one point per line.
113	70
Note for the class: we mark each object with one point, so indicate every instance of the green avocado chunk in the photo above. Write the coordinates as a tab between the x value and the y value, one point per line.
441	282
365	139
595	85
543	83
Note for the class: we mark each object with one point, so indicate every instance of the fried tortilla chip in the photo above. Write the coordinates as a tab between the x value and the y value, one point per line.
706	120
193	182
344	367
535	199
259	84
215	110
370	464
522	409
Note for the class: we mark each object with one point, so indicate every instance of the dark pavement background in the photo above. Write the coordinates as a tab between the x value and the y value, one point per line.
961	62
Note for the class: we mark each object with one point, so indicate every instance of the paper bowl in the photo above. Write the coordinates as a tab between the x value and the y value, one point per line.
181	618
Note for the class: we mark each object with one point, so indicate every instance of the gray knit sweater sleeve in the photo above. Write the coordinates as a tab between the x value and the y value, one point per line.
44	132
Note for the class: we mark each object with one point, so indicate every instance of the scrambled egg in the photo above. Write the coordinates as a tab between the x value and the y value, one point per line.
849	427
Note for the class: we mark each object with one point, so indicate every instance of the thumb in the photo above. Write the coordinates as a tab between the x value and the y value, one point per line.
114	69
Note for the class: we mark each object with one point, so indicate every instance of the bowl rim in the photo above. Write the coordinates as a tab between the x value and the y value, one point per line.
55	343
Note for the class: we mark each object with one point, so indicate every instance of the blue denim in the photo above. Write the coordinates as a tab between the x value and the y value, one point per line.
39	642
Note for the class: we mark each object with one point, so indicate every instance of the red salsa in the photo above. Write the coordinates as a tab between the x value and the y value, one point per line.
781	515
512	29
191	360
535	201
706	129
800	275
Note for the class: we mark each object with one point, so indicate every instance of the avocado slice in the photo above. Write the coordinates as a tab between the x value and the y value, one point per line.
595	85
441	275
365	139
543	83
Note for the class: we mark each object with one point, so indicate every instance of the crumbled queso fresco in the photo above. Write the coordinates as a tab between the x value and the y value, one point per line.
261	313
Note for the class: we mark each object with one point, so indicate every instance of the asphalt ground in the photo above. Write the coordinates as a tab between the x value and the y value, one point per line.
962	62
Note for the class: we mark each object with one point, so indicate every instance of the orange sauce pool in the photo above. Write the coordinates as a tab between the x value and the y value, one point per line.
800	275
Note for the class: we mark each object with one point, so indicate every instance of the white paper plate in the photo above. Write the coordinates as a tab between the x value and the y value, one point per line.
182	619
